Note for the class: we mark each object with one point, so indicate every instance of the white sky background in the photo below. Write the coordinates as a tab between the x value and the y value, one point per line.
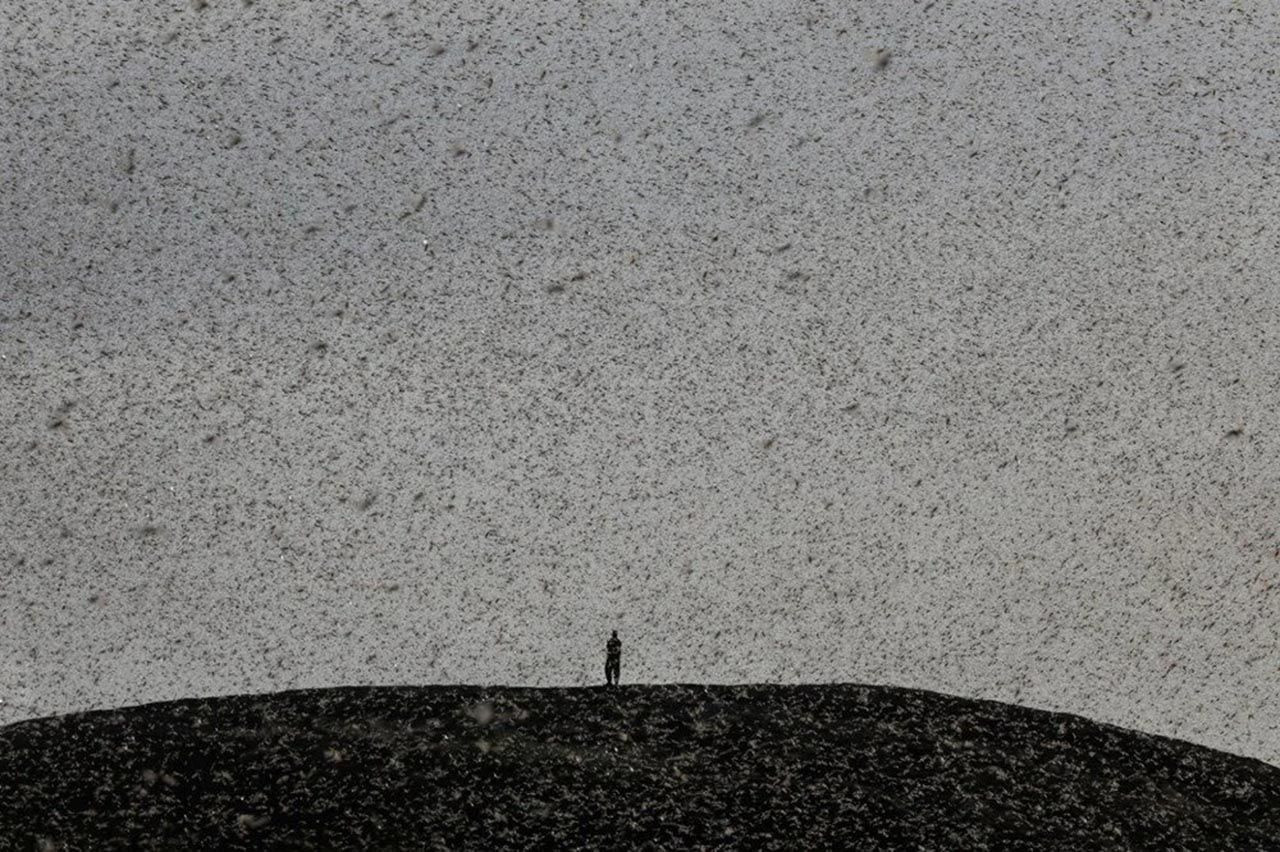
1028	294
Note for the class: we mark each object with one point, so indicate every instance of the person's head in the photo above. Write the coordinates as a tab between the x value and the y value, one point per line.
615	634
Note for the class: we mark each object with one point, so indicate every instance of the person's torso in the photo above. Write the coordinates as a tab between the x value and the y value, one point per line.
614	647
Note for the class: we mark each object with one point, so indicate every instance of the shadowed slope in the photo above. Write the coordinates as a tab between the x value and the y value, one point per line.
764	766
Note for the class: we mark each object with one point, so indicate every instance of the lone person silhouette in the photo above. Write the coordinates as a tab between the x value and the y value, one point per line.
612	660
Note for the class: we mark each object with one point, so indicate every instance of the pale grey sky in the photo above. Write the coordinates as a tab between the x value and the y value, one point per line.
690	321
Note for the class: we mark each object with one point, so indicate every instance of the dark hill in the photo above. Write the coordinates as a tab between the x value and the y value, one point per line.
666	766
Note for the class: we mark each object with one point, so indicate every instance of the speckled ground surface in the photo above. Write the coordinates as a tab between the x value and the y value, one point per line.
632	767
930	344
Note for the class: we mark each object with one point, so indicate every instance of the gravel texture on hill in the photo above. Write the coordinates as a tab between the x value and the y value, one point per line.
636	766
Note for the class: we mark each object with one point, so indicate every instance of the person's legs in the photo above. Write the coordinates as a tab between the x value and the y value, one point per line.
608	674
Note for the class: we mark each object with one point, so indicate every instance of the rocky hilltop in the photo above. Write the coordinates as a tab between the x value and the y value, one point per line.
658	766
